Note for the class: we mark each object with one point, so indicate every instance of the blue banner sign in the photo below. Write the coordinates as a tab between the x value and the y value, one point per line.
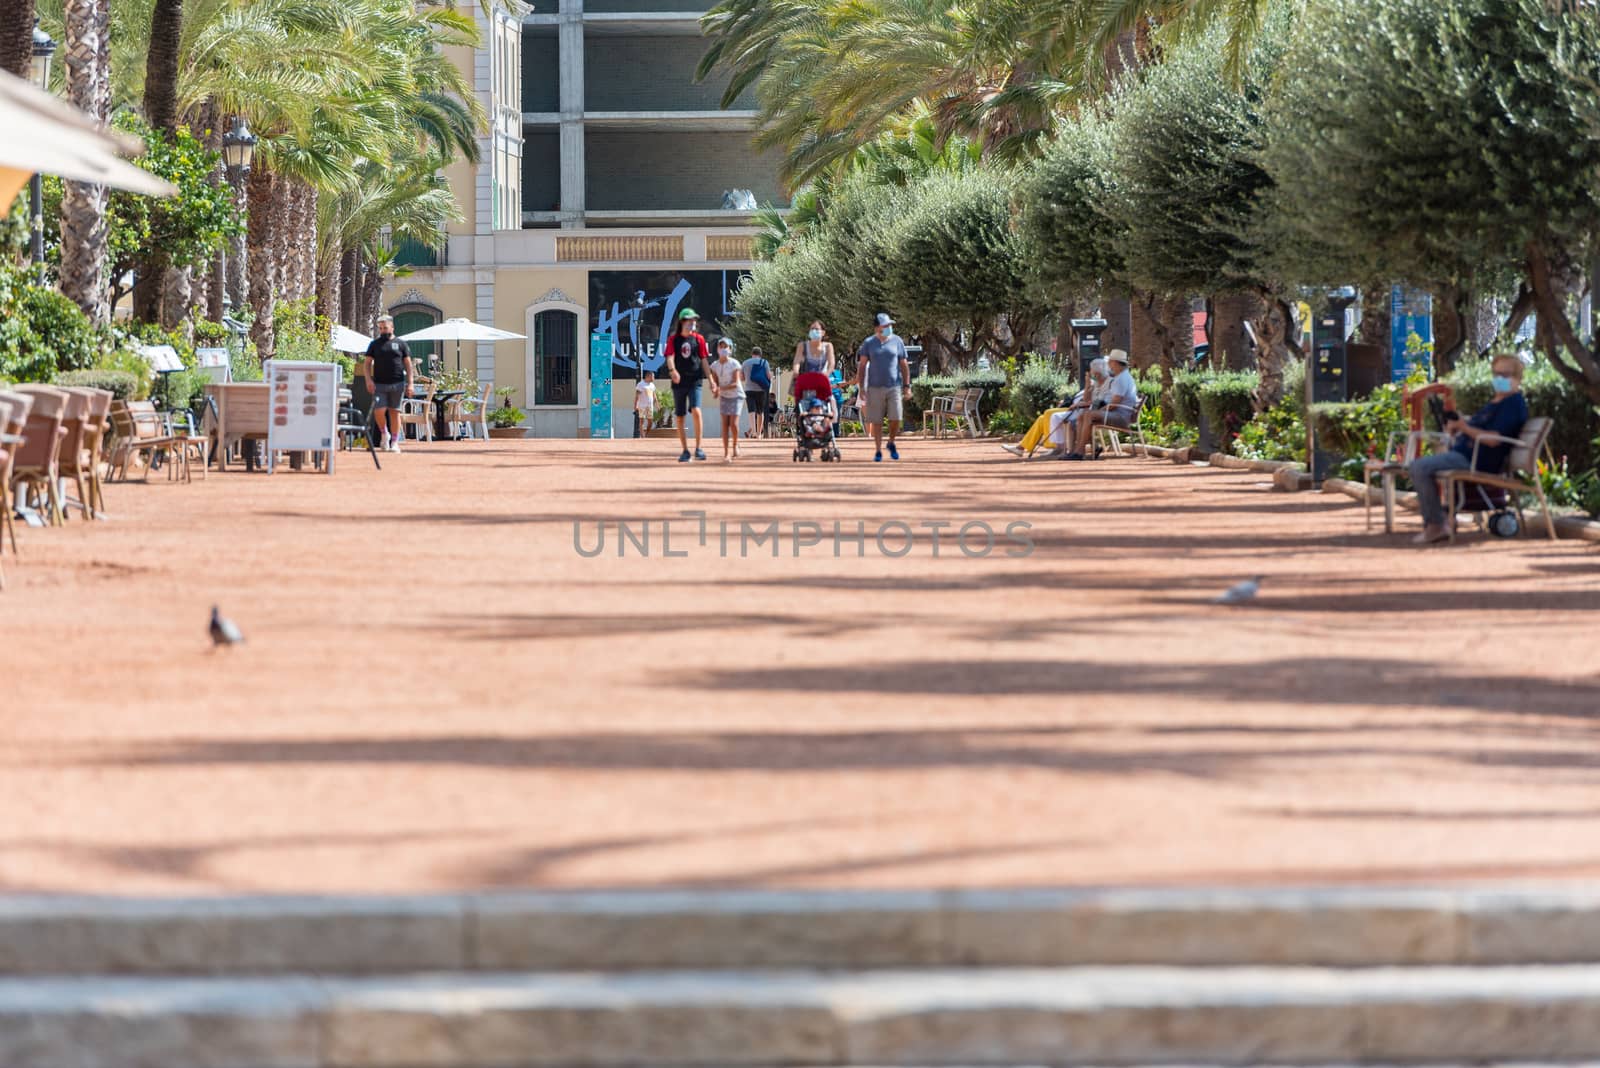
600	386
1410	312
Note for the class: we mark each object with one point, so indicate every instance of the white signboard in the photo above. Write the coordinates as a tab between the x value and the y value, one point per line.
161	358
302	408
215	363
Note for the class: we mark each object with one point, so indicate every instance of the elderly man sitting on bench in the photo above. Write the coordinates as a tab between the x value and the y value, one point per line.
1059	424
1122	399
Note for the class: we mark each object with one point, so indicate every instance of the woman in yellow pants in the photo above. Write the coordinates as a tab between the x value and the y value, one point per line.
1045	426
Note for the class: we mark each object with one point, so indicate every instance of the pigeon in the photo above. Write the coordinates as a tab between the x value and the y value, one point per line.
1240	593
223	630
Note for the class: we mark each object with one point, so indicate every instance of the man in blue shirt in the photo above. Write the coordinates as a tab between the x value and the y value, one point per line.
1502	417
884	380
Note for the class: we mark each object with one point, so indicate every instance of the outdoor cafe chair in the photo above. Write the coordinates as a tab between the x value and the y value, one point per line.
418	411
12	424
82	464
138	430
472	414
35	465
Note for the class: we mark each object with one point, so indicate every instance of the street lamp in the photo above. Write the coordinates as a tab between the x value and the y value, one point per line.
43	50
238	153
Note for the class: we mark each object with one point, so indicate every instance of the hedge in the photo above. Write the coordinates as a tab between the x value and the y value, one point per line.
1186	397
1039	386
123	384
1225	401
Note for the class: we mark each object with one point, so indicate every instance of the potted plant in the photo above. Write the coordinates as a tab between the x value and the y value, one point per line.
505	421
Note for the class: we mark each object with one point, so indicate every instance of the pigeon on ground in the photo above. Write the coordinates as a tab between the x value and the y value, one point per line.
1240	593
223	630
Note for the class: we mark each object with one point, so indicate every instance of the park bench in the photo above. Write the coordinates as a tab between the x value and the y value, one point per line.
960	405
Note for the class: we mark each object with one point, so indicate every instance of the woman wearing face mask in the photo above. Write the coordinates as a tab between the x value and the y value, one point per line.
1502	417
815	353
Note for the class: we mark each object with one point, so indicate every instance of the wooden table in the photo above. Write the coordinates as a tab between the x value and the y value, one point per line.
242	412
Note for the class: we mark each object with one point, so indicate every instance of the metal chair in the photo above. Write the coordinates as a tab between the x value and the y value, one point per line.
1104	434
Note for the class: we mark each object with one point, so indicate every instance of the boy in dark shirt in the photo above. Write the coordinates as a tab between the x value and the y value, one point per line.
1503	417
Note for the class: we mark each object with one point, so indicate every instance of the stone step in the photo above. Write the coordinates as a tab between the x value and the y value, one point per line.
975	1017
843	930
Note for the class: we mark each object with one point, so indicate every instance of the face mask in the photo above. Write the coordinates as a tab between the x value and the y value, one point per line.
816	335
1502	383
888	332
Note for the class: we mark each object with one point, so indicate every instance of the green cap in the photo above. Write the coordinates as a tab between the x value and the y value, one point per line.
688	313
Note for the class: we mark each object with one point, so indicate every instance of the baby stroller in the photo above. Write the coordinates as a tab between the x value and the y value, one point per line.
814	414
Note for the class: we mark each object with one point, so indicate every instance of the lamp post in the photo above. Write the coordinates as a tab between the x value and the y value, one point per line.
43	50
238	153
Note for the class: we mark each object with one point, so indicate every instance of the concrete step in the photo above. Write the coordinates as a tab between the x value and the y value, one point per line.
988	1017
838	930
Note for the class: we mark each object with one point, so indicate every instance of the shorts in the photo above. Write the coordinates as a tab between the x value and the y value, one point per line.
756	400
685	395
884	403
388	394
1120	418
731	403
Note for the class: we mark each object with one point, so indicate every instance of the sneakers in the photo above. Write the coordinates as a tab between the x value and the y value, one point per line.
683	457
877	457
894	453
1014	450
700	454
394	445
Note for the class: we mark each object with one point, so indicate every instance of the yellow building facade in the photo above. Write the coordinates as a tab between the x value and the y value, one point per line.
610	193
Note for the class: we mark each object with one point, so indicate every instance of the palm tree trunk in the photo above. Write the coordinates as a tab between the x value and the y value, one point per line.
83	207
328	292
350	284
16	37
282	221
161	66
371	297
262	277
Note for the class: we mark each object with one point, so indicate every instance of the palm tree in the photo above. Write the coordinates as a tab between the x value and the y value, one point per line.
161	67
83	207
16	37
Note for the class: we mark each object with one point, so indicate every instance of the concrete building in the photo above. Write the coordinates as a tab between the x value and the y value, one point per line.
598	205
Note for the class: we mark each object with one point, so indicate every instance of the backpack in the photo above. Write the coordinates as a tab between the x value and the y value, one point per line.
760	377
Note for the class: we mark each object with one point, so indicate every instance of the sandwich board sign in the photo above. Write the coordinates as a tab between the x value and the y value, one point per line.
302	409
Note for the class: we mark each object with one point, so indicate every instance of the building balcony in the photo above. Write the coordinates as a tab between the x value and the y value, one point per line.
670	120
641	23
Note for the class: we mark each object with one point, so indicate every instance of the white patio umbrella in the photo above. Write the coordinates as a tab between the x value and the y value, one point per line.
348	340
459	330
39	133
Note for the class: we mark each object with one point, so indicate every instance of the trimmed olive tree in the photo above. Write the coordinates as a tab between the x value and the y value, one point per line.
1445	143
1188	195
958	272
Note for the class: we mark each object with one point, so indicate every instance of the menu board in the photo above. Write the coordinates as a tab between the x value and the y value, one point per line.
303	407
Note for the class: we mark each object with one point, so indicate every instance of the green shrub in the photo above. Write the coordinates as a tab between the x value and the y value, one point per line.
1572	434
1007	422
1186	396
1226	402
123	384
121	358
42	333
1358	429
1039	386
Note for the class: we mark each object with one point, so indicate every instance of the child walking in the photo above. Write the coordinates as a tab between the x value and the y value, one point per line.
729	379
644	404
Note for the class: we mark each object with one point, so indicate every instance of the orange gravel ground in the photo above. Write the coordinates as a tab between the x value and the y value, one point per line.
439	692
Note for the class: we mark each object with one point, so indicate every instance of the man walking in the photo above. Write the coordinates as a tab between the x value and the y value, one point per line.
883	378
387	370
757	384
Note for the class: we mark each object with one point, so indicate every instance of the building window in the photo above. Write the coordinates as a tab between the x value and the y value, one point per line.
555	349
